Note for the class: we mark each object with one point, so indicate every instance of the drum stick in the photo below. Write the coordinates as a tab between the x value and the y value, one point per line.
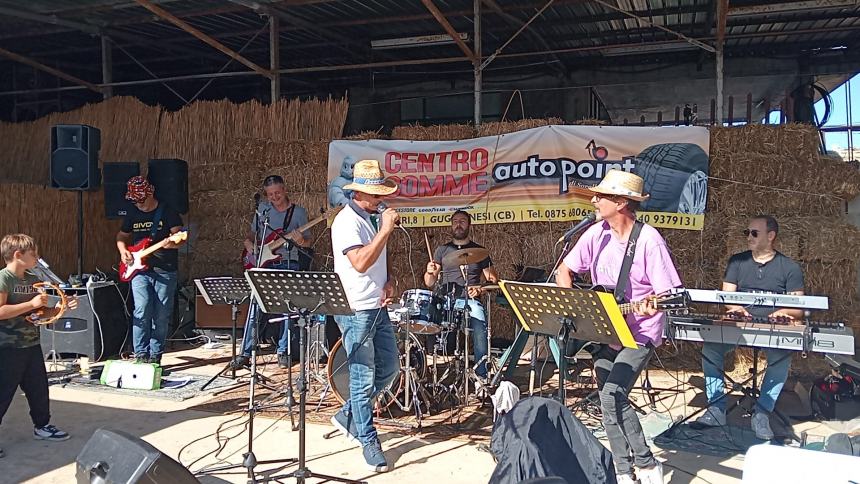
427	241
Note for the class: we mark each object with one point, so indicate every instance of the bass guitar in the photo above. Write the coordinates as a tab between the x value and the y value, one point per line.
142	249
276	240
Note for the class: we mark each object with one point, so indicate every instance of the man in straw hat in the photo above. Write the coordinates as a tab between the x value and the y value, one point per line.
153	289
760	269
359	236
601	251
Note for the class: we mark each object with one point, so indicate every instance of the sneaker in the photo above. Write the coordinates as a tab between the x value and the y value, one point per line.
240	362
761	426
652	475
283	360
374	457
713	417
49	432
155	359
346	425
138	359
625	479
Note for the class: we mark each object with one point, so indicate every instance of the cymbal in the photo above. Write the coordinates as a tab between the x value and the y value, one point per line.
465	257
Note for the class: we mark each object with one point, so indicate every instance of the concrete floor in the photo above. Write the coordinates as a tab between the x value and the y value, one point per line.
190	436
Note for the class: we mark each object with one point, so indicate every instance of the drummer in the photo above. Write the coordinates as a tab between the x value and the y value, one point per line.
451	260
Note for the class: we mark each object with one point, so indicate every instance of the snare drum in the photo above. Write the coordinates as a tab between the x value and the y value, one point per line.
424	311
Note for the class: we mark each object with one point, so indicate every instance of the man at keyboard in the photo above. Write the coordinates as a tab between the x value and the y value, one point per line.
760	269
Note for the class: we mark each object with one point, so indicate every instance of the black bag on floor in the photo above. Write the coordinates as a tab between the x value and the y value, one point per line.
539	437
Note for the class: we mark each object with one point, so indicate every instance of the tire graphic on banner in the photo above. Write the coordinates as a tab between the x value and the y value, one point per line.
676	177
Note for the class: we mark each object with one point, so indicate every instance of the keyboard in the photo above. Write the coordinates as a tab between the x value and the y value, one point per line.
762	299
814	336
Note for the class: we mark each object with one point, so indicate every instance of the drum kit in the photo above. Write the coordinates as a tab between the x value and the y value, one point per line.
425	322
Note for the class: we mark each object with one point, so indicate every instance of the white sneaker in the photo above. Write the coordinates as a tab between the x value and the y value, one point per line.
653	475
625	479
713	417
761	426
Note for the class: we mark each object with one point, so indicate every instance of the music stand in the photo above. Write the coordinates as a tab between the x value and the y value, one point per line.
562	312
305	293
225	290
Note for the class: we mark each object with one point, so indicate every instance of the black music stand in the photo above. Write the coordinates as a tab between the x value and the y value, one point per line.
225	290
562	312
305	293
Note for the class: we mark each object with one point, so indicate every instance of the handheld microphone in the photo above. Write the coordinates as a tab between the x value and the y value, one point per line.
381	207
582	225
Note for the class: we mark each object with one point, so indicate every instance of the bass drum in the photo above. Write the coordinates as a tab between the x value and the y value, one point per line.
338	372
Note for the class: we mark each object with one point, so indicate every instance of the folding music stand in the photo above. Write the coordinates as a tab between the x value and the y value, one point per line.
305	293
225	290
563	312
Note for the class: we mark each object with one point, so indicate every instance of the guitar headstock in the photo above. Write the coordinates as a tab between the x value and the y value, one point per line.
178	237
331	213
674	300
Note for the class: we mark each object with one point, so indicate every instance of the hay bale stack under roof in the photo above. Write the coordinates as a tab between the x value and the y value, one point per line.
786	141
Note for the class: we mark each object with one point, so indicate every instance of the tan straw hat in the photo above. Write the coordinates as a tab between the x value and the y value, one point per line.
623	184
367	177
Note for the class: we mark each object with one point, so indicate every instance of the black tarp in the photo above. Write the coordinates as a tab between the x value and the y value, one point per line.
540	437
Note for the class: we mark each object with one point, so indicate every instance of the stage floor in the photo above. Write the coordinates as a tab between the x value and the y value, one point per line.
193	430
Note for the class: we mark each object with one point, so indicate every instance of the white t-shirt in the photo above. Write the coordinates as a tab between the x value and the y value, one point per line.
351	230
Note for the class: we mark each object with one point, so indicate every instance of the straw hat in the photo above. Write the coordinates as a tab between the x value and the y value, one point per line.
623	184
367	177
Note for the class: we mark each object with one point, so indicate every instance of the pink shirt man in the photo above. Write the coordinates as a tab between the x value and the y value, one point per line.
600	253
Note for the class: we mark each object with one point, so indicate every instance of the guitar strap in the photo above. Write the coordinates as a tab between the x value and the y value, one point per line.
624	276
156	219
288	218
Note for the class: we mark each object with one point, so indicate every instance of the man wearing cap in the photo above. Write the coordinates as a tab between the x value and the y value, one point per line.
359	236
153	289
601	251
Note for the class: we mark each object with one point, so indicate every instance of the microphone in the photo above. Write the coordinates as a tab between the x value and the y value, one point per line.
381	207
582	225
256	200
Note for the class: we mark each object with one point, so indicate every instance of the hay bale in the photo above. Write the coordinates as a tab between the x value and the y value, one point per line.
496	128
786	141
416	132
734	199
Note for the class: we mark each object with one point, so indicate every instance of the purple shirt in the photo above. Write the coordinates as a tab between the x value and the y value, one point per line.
652	272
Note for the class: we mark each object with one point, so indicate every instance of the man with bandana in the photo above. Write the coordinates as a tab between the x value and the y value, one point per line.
154	288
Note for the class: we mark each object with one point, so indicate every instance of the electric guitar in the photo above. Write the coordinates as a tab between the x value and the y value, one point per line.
142	249
275	241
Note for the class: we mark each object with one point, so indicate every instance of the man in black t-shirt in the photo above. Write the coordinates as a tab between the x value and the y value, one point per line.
760	269
454	285
154	288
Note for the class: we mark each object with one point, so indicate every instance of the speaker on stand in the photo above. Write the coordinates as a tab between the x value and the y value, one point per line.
74	165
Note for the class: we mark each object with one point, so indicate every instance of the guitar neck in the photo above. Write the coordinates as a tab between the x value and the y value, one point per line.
152	248
277	243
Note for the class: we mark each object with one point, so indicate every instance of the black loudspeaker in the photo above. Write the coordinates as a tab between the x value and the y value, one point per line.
75	157
170	178
115	457
96	334
116	176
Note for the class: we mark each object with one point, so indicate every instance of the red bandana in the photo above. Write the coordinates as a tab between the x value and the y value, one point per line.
138	189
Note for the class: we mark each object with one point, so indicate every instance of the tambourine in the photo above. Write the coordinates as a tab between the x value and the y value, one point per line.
47	315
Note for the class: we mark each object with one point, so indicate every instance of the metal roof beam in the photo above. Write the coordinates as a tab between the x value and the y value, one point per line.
147	4
50	19
652	24
517	23
50	70
449	29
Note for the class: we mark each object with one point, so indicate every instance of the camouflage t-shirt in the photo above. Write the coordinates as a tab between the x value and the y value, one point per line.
17	332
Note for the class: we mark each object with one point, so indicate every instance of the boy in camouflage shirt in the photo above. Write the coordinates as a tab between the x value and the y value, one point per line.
21	358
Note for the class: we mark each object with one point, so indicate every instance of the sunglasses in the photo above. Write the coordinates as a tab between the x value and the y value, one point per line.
753	232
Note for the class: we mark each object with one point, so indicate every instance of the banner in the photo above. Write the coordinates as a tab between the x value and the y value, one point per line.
539	174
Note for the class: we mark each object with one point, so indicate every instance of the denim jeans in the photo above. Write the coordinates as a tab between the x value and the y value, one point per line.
288	325
153	292
778	363
478	323
617	372
374	362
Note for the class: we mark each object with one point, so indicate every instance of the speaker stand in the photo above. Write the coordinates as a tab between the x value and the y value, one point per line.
80	234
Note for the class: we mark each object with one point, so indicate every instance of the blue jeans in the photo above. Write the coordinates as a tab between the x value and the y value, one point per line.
778	363
374	362
478	323
284	340
153	292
